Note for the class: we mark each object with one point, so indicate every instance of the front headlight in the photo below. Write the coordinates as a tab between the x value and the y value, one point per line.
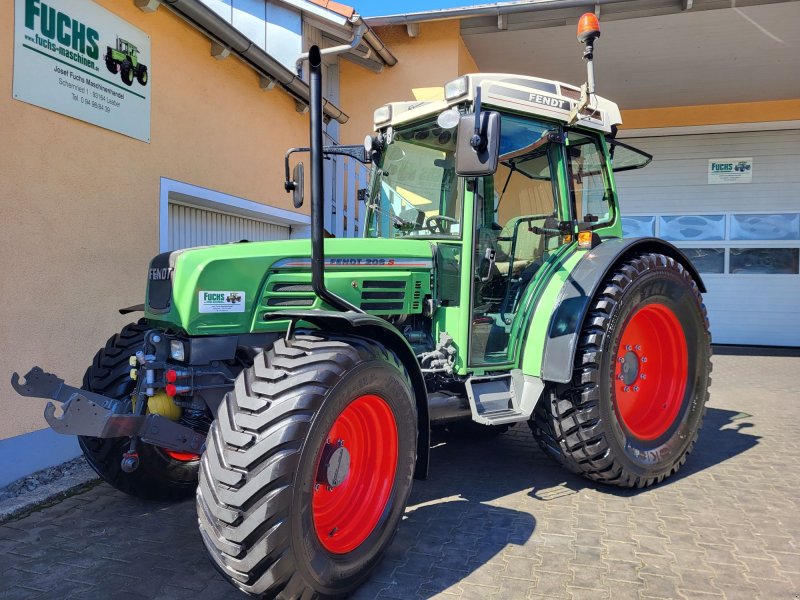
382	114
456	88
177	350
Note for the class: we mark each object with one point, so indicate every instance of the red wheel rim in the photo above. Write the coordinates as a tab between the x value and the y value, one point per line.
345	515
651	371
181	456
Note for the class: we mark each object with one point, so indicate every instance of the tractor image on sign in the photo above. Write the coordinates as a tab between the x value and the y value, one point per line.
124	59
491	287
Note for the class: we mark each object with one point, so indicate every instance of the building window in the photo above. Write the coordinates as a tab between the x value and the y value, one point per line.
707	260
747	246
692	227
765	261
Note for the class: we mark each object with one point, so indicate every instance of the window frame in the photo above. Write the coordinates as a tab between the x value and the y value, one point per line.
600	143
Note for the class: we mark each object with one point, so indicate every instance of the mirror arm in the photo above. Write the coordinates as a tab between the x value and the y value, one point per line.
289	185
478	140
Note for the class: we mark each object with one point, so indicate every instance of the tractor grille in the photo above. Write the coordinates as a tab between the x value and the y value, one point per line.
292	287
383	295
288	294
290	301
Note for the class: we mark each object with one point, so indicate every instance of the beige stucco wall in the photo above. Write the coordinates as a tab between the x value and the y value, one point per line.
429	60
79	204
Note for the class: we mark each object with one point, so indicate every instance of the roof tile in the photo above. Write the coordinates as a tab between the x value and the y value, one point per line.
342	9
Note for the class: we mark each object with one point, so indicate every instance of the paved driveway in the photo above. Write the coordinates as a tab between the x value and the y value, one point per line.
496	520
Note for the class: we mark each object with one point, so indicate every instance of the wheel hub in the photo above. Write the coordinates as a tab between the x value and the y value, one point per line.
335	465
630	368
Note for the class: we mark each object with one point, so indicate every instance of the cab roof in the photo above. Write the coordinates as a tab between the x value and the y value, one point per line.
519	93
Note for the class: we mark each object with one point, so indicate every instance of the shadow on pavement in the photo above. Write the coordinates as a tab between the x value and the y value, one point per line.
455	510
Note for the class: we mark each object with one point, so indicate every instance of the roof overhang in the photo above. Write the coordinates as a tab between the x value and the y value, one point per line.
653	53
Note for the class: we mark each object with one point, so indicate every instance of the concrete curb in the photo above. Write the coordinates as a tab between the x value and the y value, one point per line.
44	488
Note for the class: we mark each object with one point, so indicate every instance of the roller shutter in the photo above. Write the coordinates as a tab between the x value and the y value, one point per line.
197	226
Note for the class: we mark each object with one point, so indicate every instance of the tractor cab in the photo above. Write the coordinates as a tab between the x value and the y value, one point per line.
126	47
553	180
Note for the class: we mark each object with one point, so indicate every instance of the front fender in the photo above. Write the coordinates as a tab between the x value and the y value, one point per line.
558	342
375	328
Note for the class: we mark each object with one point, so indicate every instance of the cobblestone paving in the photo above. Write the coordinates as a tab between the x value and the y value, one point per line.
496	520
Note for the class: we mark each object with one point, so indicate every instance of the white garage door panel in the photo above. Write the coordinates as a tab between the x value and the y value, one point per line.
743	308
191	226
768	314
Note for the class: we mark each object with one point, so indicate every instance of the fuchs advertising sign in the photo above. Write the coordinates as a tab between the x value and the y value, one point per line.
730	170
78	59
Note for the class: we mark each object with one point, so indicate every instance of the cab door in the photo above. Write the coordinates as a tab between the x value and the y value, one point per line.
517	215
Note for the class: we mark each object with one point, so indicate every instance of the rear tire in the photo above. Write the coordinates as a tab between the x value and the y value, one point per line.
159	477
633	411
127	73
269	520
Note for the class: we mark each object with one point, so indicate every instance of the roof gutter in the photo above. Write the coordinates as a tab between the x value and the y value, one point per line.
219	30
485	10
374	42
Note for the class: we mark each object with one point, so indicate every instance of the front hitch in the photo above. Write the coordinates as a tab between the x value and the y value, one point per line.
93	415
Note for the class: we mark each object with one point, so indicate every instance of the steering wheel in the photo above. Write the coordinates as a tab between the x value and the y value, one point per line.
436	223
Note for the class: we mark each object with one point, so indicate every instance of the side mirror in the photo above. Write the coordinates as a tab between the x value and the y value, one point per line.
298	185
478	157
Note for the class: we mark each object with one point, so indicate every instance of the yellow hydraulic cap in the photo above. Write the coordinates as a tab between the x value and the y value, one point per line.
161	404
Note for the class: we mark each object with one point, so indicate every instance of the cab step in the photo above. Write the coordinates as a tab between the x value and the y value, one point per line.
502	399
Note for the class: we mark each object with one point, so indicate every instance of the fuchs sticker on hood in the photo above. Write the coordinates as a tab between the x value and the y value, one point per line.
220	302
405	263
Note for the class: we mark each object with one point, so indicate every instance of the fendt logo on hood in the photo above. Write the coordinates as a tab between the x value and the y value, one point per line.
160	274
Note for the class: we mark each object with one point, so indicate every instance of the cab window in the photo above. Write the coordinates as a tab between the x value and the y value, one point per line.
589	182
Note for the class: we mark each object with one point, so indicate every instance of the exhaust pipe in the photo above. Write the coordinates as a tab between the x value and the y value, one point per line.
317	189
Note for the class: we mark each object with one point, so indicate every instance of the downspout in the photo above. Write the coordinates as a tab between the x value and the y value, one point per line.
358	35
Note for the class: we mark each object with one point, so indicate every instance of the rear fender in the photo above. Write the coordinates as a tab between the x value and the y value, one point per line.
576	295
375	328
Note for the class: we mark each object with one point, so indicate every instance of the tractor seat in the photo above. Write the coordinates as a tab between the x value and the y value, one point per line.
529	246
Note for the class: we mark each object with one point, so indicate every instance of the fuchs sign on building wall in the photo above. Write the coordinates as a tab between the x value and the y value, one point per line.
78	59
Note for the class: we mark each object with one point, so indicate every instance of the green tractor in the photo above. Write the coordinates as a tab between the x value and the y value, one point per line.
124	59
293	386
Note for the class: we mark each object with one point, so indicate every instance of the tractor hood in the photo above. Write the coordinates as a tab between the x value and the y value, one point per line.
229	288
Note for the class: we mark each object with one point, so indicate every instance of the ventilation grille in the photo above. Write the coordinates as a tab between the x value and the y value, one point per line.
416	304
383	295
284	301
292	287
371	283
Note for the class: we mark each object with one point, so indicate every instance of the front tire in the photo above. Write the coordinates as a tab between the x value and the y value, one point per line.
159	476
141	75
308	467
127	73
633	411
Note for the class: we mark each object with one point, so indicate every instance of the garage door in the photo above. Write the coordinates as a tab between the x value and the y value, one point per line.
743	237
197	226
